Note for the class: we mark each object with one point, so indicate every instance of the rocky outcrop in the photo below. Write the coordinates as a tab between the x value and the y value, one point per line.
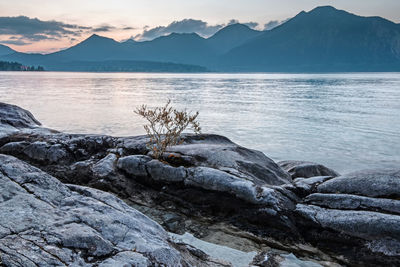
370	183
306	169
47	223
218	191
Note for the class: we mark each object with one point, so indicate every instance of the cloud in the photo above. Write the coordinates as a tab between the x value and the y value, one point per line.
250	24
104	28
184	26
35	29
273	24
23	30
18	42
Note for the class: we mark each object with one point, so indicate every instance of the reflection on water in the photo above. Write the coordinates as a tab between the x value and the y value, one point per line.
346	121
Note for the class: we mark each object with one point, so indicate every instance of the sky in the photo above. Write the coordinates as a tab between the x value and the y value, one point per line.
46	26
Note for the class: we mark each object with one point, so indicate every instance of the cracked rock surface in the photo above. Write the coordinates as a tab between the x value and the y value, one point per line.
46	223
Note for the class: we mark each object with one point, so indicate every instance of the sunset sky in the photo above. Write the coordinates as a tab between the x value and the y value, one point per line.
48	25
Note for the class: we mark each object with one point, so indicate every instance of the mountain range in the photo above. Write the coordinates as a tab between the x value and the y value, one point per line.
324	39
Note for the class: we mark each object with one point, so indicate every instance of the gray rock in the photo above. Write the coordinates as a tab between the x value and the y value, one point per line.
16	117
126	258
306	169
371	226
219	152
41	151
45	222
353	202
134	165
370	183
308	185
105	166
216	180
159	171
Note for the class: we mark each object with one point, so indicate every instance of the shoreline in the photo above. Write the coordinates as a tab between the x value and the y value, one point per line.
209	187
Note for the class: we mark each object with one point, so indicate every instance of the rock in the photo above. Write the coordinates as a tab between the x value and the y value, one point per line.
105	166
306	169
134	165
208	186
353	202
16	117
41	151
305	186
159	171
371	226
219	152
45	222
370	183
216	180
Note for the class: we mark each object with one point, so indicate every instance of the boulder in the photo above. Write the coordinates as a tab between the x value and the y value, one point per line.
16	117
306	169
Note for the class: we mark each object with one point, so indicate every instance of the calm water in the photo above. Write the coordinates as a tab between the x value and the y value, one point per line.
346	121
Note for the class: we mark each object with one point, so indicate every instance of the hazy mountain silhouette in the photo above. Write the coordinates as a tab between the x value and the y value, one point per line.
187	48
5	50
324	39
93	48
231	36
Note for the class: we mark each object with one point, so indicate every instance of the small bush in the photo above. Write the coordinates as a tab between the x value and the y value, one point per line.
165	126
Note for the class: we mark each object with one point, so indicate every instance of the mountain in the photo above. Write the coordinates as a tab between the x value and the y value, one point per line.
93	48
231	36
186	48
5	50
324	39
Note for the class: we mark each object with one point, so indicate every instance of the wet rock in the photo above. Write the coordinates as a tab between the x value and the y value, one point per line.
370	183
306	169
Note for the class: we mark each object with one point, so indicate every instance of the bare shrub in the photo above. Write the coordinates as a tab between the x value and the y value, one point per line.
165	126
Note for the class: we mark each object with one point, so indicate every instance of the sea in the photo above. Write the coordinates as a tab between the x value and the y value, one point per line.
346	121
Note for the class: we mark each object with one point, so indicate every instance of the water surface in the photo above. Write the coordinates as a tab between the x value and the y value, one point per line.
346	121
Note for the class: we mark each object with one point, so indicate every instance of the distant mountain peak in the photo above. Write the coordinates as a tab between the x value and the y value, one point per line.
129	41
237	26
324	8
97	38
